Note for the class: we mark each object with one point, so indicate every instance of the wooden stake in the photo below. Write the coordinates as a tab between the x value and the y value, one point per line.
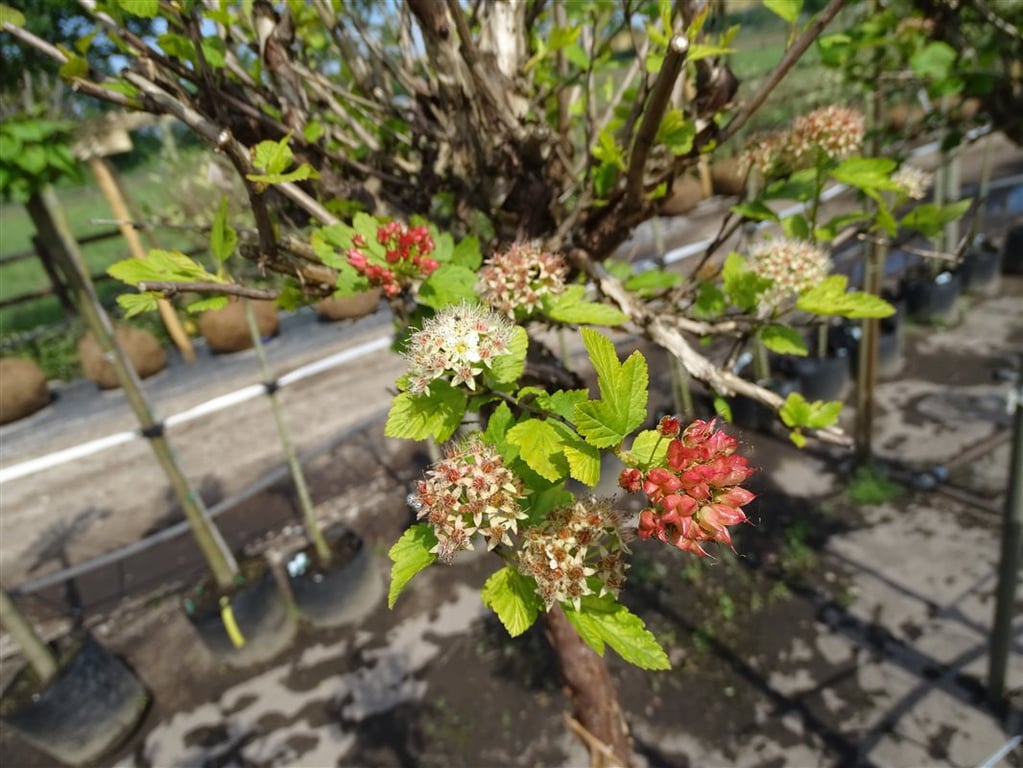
35	651
107	182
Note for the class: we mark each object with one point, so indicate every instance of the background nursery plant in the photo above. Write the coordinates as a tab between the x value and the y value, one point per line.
519	130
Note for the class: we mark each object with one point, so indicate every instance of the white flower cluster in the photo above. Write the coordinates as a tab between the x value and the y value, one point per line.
575	543
791	265
458	342
836	131
469	491
520	277
912	182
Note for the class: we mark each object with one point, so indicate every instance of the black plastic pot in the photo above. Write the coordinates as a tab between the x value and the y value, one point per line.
1012	252
823	378
342	594
890	358
981	269
93	705
751	415
262	615
933	299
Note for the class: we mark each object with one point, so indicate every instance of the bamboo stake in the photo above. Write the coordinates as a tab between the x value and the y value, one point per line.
107	182
36	652
55	234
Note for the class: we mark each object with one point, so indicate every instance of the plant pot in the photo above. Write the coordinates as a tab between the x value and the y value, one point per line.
756	417
226	330
345	592
981	269
349	307
933	299
823	378
890	358
261	614
93	704
1012	251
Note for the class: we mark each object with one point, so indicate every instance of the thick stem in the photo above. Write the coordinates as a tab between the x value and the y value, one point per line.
35	651
62	247
593	695
305	503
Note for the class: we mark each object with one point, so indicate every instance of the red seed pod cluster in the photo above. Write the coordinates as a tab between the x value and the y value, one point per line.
696	497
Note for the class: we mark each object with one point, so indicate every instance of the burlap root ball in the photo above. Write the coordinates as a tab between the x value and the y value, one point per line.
226	330
349	307
143	350
23	388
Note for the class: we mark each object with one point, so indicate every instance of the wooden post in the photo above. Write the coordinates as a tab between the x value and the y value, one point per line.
59	289
54	231
35	651
107	181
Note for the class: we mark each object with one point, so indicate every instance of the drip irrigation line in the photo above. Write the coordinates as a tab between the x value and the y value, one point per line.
996	758
172	532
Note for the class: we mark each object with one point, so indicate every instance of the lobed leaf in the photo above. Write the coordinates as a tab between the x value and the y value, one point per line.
409	555
601	620
512	596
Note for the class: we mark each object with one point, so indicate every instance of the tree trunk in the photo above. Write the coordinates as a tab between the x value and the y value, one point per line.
35	651
593	695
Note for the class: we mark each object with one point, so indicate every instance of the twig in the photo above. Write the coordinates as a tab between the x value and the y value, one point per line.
658	330
660	94
792	55
599	751
172	289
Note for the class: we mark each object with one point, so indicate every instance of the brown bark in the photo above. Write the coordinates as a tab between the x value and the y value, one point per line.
590	688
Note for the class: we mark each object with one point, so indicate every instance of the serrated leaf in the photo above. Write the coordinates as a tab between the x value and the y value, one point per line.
652	280
788	10
798	412
513	598
741	285
539	444
507	368
934	61
209	304
162	266
137	303
562	402
675	132
571	306
449	284
698	51
497	430
601	620
146	9
272	156
583	459
214	50
722	408
649	449
796	226
829	298
755	210
223	237
303	172
929	219
866	173
437	414
409	555
783	340
467	253
623	394
75	66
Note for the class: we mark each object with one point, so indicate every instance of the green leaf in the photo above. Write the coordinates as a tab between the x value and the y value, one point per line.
829	298
467	253
788	10
652	281
741	285
137	303
623	393
449	284
649	449
437	414
176	46
675	132
497	430
830	230
163	266
929	219
710	301
604	178
577	56
601	620
562	402
75	66
214	51
783	340
539	444
723	408
312	131
796	226
272	156
798	412
11	16
209	304
507	368
583	459
410	554
513	598
934	61
755	210
698	51
607	151
303	172
571	306
223	237
147	9
866	173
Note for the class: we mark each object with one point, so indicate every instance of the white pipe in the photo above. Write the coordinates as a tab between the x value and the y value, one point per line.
62	457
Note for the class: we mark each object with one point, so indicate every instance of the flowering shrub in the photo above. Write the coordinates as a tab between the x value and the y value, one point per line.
912	182
792	266
407	252
834	132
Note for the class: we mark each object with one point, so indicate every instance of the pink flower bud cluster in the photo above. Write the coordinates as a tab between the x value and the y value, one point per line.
578	547
519	278
697	495
835	132
791	265
407	252
912	182
456	344
469	491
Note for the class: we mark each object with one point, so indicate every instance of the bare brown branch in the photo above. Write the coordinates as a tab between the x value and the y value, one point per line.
172	289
